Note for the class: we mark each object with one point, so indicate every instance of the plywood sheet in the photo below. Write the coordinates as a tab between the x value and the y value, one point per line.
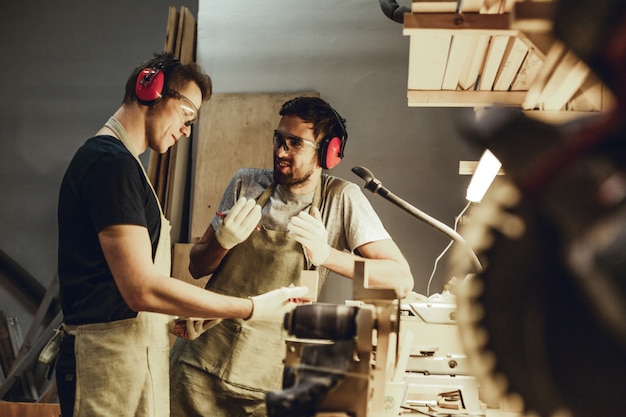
234	131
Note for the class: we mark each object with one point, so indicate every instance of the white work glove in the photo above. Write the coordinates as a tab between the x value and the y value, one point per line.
273	305
239	223
311	233
190	328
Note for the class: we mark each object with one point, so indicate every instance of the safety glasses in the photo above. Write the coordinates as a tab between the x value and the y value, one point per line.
292	143
188	109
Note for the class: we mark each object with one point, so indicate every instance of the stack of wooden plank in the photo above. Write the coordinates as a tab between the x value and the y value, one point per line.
478	53
169	172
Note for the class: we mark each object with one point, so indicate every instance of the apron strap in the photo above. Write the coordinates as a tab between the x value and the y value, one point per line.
121	133
162	256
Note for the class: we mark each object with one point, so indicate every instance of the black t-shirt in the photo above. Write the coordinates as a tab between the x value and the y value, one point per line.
104	185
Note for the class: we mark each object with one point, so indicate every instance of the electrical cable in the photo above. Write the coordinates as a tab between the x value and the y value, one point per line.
456	223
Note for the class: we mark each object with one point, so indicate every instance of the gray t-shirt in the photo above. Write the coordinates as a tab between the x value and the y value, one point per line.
348	216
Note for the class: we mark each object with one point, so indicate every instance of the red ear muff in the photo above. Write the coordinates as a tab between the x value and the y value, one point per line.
149	86
330	152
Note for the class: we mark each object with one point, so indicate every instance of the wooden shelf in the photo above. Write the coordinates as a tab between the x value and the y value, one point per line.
495	53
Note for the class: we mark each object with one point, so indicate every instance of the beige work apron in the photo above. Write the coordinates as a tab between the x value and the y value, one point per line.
122	367
243	353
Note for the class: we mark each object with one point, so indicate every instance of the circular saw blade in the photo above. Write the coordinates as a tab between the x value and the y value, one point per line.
529	330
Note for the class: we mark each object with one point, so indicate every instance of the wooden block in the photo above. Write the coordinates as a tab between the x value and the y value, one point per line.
566	79
481	23
497	6
528	71
434	6
446	6
511	62
469	77
234	131
471	6
428	55
553	58
459	59
460	98
497	46
17	409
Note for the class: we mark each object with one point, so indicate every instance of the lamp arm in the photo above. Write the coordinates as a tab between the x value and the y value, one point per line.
376	187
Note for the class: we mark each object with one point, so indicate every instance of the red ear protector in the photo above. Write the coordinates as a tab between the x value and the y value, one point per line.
331	147
151	82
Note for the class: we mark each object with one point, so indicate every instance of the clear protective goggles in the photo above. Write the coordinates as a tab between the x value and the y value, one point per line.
291	143
188	109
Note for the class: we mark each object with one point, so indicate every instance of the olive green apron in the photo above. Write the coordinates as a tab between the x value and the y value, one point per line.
122	366
249	354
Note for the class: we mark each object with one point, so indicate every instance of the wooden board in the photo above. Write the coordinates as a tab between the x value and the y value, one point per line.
459	58
553	57
470	76
178	176
460	98
445	6
514	55
497	46
234	131
567	78
17	409
528	71
169	172
428	56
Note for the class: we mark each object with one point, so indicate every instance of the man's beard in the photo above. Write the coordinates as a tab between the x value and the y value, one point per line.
290	179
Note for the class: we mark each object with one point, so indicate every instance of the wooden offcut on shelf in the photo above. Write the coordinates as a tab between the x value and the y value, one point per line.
492	52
